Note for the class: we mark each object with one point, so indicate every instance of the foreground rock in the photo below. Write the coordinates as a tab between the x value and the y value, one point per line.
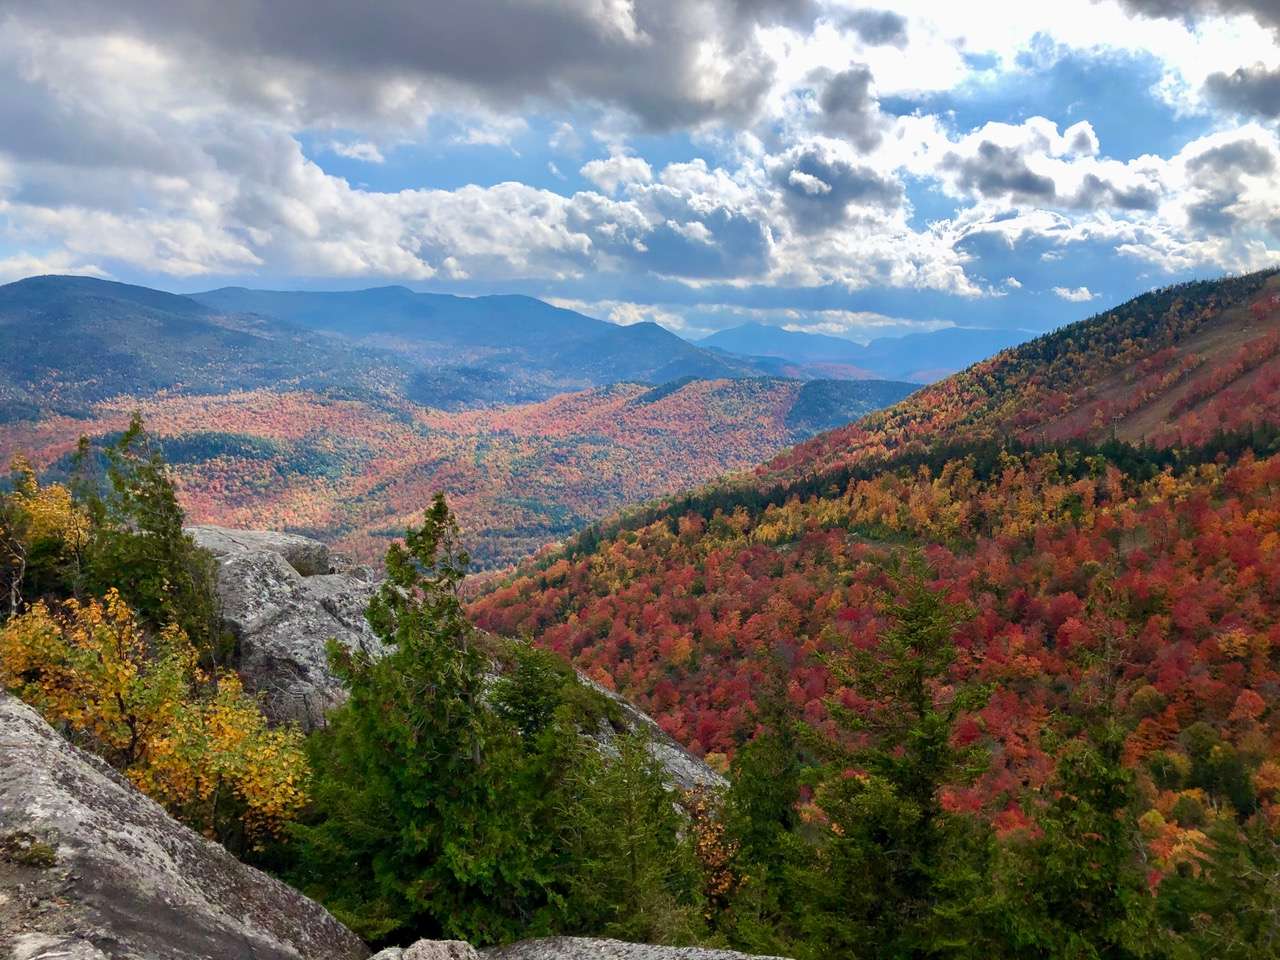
90	869
577	948
283	597
283	617
430	950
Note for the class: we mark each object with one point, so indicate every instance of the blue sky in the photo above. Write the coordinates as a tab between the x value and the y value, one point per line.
819	165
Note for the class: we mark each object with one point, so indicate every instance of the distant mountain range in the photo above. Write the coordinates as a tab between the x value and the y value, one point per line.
918	357
340	414
466	348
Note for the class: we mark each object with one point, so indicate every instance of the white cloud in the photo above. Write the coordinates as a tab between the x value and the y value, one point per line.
617	171
358	150
1075	294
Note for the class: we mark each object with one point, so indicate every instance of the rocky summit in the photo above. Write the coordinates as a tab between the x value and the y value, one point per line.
91	869
284	597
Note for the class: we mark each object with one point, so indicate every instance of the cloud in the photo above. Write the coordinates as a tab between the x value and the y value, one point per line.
617	171
666	62
358	150
824	186
1075	294
565	139
1032	164
878	27
850	110
1264	11
1249	90
996	171
1221	178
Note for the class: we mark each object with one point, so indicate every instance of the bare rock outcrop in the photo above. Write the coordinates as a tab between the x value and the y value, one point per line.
579	948
309	557
90	868
283	597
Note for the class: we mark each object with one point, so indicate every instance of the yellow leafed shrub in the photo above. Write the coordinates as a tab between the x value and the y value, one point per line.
195	742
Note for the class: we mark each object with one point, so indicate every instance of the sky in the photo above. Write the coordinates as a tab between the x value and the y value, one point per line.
838	168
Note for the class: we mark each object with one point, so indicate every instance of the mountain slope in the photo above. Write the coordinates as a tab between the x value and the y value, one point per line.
921	357
72	341
558	349
1139	579
1169	366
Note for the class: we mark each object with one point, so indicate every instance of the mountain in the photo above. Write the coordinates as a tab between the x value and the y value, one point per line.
761	339
73	341
1171	367
1102	501
544	349
919	357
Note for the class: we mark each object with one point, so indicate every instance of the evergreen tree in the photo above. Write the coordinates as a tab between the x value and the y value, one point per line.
634	874
885	883
1078	890
138	545
1228	905
425	824
763	824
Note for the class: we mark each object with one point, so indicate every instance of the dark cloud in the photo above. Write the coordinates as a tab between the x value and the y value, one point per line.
1217	174
822	190
647	58
1247	90
1231	159
878	27
1096	192
1266	12
995	171
850	110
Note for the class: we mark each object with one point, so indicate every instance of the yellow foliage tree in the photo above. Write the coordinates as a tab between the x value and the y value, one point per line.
195	742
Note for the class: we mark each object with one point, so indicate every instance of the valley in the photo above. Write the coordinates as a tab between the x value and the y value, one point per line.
290	419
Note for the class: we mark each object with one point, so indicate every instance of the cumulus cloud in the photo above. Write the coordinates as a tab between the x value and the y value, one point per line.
166	139
850	110
1250	90
1075	294
667	62
616	171
878	27
1033	164
825	186
1266	12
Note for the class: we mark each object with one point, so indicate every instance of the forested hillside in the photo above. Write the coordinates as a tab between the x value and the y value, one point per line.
355	472
1099	504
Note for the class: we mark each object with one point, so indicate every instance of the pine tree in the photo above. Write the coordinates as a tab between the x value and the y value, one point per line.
1078	890
139	548
634	876
422	827
885	876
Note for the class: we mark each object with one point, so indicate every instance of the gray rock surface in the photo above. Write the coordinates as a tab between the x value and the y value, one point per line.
309	557
684	770
577	948
283	618
90	868
430	950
